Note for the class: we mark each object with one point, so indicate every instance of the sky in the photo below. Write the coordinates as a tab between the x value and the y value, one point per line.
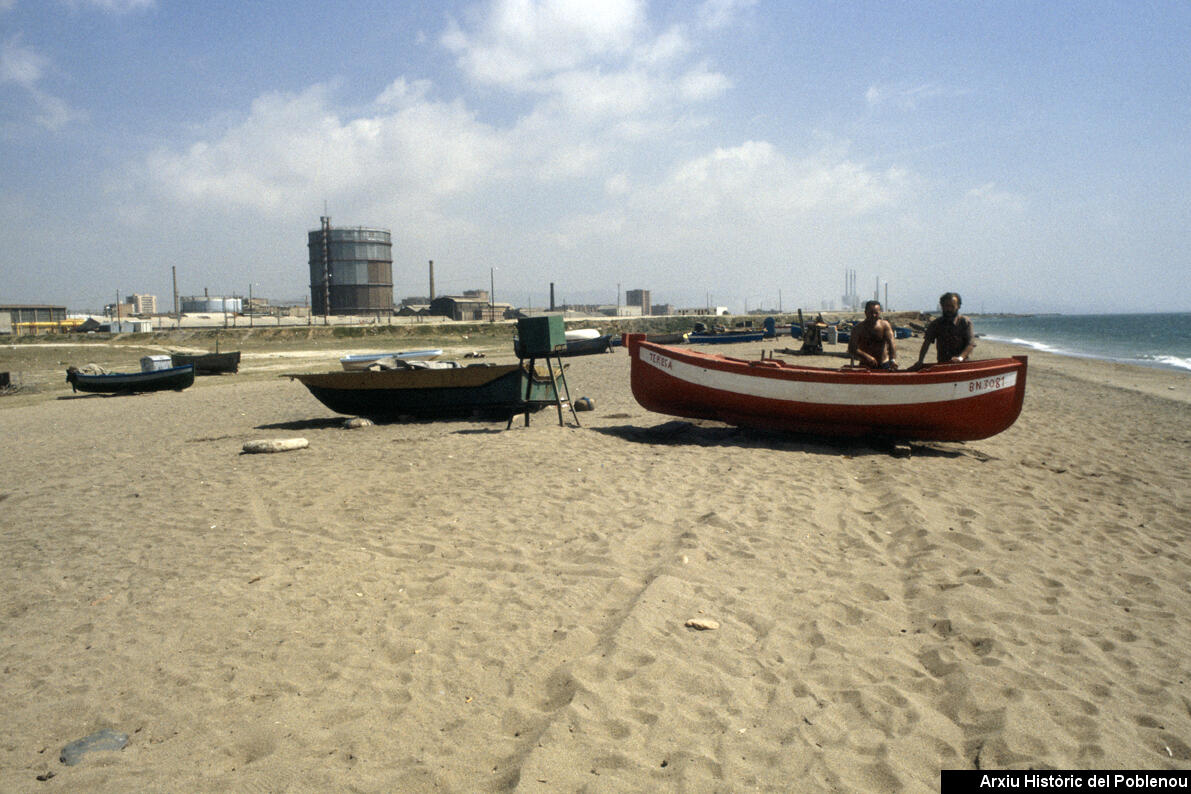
1033	156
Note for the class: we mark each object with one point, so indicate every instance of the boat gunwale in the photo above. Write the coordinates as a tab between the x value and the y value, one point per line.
786	371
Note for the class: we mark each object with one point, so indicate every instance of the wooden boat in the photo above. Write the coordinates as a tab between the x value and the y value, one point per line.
727	337
673	338
584	346
495	391
578	334
208	363
943	402
363	361
175	378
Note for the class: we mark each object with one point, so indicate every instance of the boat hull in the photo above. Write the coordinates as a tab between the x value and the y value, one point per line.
946	402
494	392
726	338
209	363
575	347
172	379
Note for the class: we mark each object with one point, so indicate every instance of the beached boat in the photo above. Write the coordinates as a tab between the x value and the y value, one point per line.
943	402
724	338
365	360
175	378
208	363
578	334
495	391
583	346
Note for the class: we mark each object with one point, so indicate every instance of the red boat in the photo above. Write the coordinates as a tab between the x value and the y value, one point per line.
942	402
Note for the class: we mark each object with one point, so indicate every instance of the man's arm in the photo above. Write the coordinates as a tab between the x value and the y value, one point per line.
889	343
926	340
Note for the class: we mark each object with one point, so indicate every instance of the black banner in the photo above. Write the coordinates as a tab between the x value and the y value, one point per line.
955	781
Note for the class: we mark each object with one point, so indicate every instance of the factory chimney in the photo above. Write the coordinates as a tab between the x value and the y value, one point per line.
432	281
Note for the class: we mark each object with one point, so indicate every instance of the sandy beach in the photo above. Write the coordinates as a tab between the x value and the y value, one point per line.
449	606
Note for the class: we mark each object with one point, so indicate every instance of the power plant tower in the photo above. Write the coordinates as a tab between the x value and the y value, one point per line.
351	270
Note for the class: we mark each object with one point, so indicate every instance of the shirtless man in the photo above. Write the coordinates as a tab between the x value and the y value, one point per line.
872	340
953	333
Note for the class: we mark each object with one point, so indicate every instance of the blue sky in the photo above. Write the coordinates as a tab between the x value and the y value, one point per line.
1034	156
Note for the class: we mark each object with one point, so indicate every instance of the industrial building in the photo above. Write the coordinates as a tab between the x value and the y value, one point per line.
35	318
351	270
205	304
638	298
472	307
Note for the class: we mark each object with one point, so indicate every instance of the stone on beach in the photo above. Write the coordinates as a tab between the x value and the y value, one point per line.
102	740
275	445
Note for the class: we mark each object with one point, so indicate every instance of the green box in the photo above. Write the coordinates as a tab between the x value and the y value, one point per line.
541	336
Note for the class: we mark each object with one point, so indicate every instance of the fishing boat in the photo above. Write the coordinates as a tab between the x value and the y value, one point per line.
495	391
724	338
944	402
365	360
209	363
581	346
579	334
172	378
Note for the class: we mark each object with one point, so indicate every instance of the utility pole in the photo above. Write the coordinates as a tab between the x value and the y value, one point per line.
492	294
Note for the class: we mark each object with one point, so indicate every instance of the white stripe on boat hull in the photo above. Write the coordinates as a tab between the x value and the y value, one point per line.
824	393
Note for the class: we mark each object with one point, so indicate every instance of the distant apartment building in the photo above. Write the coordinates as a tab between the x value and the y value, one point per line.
662	309
143	304
638	298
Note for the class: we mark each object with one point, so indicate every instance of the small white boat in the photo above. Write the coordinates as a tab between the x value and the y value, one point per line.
579	334
363	361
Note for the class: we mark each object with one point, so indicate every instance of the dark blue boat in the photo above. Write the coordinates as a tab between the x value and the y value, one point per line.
174	378
728	337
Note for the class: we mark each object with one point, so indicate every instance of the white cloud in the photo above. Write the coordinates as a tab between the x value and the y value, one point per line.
20	64
517	42
907	97
990	195
700	84
26	67
292	148
715	14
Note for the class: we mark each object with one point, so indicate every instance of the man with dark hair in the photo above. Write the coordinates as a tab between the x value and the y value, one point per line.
953	332
872	340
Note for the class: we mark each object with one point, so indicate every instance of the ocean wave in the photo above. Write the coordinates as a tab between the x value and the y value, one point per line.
1030	343
1146	360
1170	361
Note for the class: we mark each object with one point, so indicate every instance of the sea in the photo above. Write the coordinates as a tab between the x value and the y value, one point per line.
1152	340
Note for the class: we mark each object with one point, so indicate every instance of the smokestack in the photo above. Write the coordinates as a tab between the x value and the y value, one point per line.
431	280
551	296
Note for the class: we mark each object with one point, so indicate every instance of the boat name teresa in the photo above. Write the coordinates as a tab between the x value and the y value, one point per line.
659	361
